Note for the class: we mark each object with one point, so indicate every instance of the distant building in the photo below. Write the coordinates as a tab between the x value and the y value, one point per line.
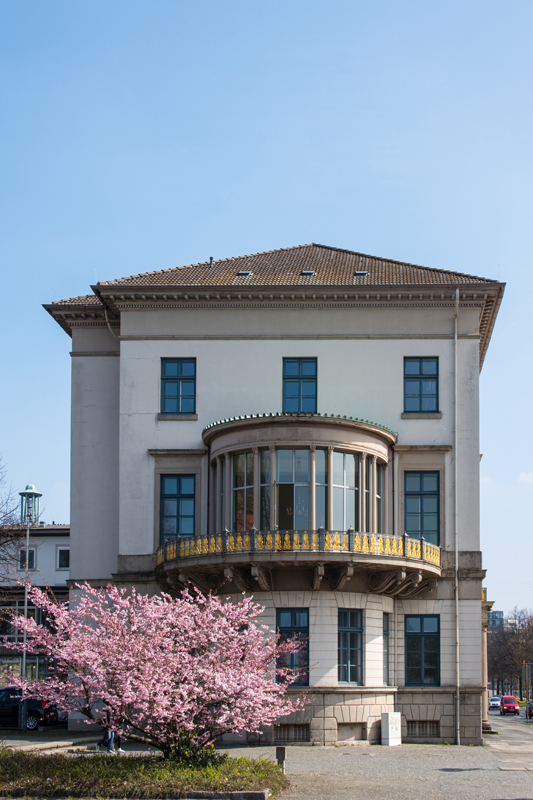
48	561
495	620
300	425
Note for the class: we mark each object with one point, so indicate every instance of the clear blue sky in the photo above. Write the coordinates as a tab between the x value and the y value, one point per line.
142	135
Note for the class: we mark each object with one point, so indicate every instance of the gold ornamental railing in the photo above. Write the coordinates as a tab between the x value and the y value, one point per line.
299	541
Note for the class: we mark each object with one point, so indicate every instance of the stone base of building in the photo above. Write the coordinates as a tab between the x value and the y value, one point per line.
353	716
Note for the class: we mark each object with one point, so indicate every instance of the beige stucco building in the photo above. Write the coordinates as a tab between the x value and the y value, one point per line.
301	425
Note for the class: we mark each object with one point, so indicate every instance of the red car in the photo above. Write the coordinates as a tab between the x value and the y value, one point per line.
509	705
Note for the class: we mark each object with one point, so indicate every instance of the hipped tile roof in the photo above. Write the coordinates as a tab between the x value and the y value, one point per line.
331	267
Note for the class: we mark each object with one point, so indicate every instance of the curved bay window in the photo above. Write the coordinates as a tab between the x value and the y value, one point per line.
268	485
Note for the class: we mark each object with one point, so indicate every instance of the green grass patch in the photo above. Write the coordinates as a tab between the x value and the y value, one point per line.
32	775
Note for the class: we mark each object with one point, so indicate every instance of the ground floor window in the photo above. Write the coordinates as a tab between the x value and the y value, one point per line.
290	623
350	646
422	650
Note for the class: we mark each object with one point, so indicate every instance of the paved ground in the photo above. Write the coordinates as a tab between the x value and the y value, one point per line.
502	770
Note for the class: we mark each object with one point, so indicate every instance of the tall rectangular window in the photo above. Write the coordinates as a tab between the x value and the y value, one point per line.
294	622
422	650
243	492
386	623
299	384
177	506
178	385
321	488
379	498
264	490
421	496
350	658
30	563
421	384
345	481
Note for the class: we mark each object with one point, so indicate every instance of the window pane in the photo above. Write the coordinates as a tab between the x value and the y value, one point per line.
249	509
290	367
412	624
264	510
308	389
430	481
291	388
187	405
338	509
170	508
412	481
412	366
249	469
429	366
265	466
338	468
63	560
412	404
320	466
284	459
430	504
238	469
238	510
187	507
169	526
431	523
349	465
301	466
286	506
343	619
291	404
187	485
429	387
170	485
431	625
320	510
186	526
188	368
285	619
351	500
300	619
301	511
429	403
187	388
170	368
412	524
170	406
308	405
170	389
309	367
412	504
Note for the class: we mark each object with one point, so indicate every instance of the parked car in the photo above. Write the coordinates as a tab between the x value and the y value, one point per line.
509	705
495	701
38	713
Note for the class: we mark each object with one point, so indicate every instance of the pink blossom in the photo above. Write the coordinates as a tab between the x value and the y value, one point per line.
166	669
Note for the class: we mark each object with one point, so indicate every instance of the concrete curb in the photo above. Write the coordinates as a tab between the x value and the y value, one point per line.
54	745
249	795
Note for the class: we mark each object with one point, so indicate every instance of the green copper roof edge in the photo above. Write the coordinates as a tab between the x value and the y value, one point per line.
297	414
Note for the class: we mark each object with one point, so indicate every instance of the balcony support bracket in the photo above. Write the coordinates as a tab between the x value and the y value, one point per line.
263	577
239	577
318	574
340	576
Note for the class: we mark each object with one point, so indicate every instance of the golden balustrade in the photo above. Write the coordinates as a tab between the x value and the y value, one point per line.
277	541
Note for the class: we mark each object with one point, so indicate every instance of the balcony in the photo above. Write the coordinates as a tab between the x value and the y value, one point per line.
392	565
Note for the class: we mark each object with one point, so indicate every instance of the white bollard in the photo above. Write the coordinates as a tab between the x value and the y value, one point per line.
391	728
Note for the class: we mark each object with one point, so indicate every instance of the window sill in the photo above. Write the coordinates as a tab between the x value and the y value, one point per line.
422	415
177	417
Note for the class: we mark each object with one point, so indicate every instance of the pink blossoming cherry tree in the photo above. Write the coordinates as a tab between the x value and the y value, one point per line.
171	672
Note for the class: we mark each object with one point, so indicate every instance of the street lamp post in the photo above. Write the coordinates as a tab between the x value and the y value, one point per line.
29	515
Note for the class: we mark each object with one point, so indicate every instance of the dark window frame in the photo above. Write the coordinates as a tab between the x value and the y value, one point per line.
300	378
421	636
180	379
289	631
178	496
23	559
422	494
349	639
410	396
